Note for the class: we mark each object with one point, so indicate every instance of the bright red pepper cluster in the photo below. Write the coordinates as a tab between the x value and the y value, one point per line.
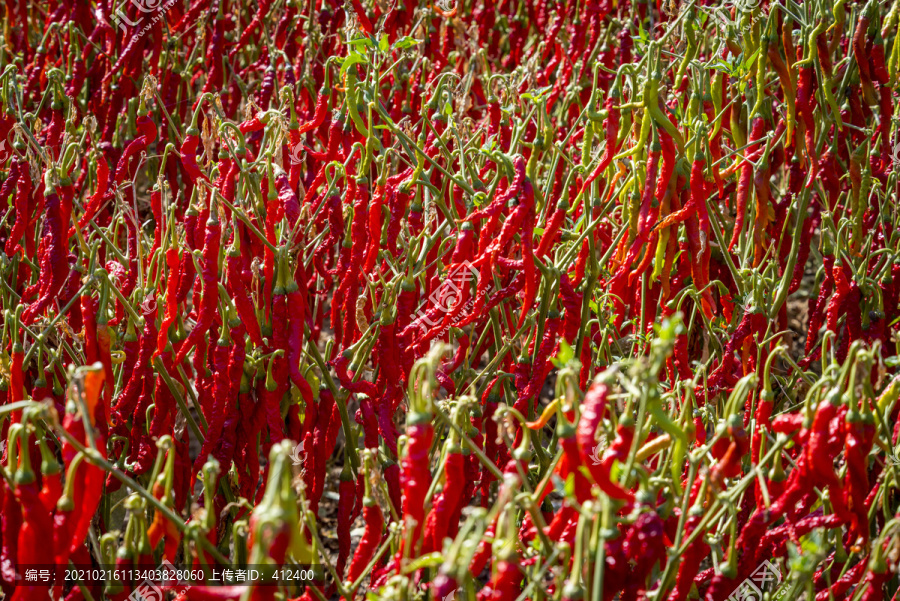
492	301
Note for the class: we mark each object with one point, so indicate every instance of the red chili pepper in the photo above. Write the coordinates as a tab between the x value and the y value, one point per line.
691	561
296	306
289	205
817	313
725	373
438	522
54	262
51	478
592	409
729	465
210	278
143	369
237	274
612	133
147	129
374	228
774	541
877	576
859	47
35	537
542	368
11	525
316	442
173	262
497	205
837	302
860	433
510	227
551	231
357	196
700	430
745	178
86	480
188	154
570	463
347	492
839	588
271	390
645	546
803	256
224	449
805	103
22	184
506	582
258	17
368	544
229	356
415	477
247	450
161	527
820	459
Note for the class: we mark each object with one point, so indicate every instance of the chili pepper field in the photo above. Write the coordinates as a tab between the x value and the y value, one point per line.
472	301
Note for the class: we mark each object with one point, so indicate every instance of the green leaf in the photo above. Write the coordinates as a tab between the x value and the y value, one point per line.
405	42
748	62
359	43
353	59
566	353
804	560
431	560
313	381
489	145
616	469
670	327
383	44
722	66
